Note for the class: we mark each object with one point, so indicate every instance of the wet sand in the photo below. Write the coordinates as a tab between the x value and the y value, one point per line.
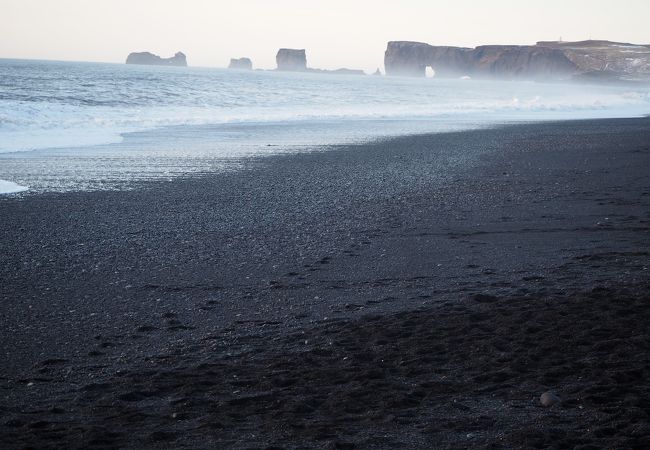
418	292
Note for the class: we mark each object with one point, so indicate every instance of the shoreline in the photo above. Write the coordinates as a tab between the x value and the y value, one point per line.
110	180
103	287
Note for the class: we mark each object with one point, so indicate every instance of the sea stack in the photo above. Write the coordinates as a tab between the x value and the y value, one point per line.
291	60
241	64
149	59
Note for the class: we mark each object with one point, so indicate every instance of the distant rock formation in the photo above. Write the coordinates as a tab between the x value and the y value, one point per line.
291	60
377	72
149	59
407	58
241	63
545	60
344	71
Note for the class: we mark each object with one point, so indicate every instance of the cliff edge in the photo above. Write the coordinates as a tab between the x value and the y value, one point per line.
544	60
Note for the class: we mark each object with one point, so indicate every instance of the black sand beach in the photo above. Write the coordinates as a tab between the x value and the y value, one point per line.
420	292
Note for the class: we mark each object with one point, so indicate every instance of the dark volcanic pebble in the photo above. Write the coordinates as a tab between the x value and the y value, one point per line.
549	398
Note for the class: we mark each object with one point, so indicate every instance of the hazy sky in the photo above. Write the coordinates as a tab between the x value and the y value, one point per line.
336	33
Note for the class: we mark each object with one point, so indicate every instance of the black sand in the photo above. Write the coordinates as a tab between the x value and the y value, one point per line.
420	292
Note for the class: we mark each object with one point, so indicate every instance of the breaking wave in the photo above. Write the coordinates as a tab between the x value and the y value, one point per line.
62	105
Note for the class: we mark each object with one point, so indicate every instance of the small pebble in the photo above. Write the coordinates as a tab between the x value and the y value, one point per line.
548	399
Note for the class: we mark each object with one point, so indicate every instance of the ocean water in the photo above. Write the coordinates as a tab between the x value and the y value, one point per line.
76	126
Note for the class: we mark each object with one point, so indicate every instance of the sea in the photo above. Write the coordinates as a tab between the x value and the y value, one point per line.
69	126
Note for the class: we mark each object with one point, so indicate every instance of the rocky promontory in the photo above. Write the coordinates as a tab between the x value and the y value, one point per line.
241	64
544	60
149	59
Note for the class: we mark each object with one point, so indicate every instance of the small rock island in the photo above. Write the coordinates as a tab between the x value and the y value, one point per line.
291	60
241	64
149	59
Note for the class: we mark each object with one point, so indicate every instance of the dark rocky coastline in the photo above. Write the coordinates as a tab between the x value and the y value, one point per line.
418	292
583	61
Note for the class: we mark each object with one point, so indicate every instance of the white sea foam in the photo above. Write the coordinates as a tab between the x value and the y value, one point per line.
54	105
8	187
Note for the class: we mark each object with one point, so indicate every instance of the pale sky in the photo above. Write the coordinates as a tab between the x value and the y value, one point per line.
335	33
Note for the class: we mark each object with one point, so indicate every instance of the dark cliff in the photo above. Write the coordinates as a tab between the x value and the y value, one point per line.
606	60
545	60
149	59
